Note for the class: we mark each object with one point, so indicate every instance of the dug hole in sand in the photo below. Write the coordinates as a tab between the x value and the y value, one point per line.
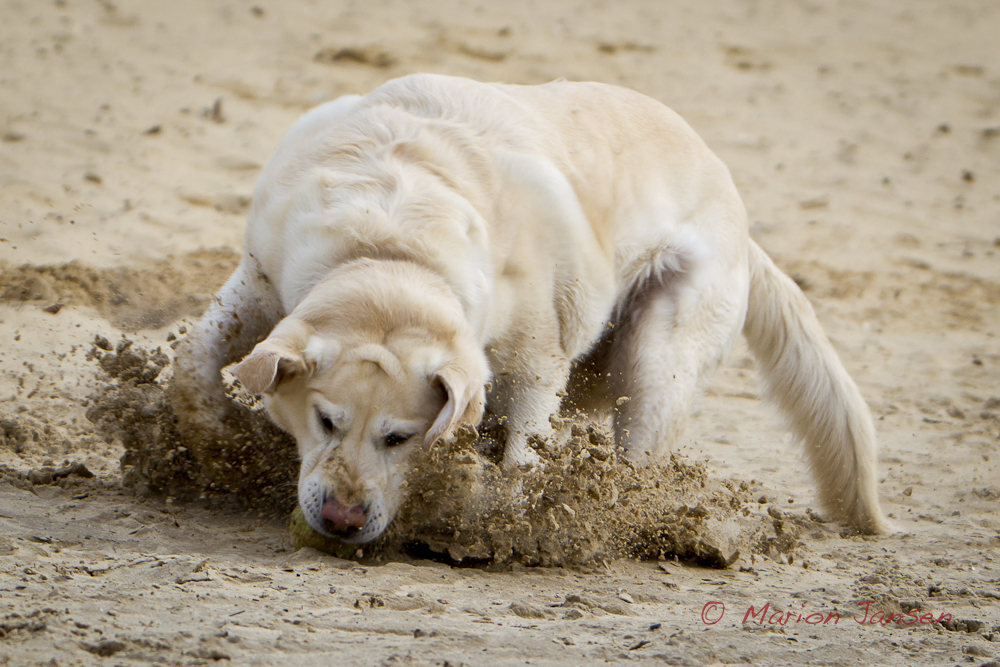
585	504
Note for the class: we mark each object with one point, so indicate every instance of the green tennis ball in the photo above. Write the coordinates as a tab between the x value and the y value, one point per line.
303	535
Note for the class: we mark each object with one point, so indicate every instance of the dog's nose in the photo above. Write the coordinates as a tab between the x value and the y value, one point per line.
341	520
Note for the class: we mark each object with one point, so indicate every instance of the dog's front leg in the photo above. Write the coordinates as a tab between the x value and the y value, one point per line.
532	375
241	315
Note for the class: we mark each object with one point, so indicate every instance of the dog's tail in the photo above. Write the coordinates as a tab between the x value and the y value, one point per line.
804	376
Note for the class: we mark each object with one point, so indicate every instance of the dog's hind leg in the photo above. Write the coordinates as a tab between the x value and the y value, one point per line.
671	332
241	315
654	374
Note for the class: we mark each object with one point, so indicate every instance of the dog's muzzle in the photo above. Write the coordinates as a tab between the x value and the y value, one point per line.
329	516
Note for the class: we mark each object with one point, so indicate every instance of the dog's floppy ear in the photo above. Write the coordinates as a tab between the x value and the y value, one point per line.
465	403
263	370
464	381
276	358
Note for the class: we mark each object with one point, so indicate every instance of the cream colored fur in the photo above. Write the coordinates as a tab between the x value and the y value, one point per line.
439	236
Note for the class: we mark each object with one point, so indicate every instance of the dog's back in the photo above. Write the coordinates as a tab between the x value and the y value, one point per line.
445	149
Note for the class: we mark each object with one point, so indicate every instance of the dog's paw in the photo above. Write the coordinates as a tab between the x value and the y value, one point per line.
520	458
205	424
200	409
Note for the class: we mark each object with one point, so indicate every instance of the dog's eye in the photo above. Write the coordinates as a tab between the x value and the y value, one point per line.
396	439
326	423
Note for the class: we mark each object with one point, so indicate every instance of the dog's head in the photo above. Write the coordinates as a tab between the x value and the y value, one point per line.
360	407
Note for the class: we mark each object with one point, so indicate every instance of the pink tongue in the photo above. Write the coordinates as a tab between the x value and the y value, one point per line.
342	517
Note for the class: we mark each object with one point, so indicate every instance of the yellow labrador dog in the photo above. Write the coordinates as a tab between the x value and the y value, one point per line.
440	243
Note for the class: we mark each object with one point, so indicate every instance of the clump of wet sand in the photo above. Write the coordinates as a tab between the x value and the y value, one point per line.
585	503
254	469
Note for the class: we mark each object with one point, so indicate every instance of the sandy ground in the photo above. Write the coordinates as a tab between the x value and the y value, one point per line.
865	138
